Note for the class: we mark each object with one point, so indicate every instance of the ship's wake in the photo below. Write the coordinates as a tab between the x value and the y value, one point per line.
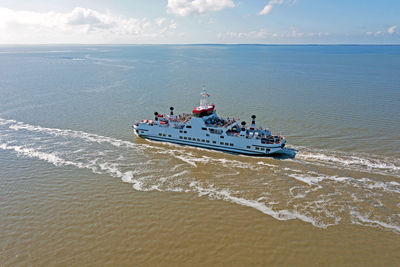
316	186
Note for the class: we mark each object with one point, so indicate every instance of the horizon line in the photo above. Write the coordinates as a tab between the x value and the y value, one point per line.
261	44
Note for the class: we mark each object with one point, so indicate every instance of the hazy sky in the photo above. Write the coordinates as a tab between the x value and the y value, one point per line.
200	21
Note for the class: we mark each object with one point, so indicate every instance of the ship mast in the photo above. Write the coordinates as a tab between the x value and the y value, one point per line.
204	98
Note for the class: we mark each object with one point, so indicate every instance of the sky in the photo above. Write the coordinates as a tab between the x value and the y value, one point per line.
200	21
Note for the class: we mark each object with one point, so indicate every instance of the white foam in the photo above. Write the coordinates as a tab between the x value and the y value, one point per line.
266	164
225	194
17	126
178	174
314	178
299	194
391	186
49	157
5	122
127	177
309	179
351	161
187	160
364	220
176	167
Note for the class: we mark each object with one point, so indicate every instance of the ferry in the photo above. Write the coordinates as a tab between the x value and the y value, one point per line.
204	128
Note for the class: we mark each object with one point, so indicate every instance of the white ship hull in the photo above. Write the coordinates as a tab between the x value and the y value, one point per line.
205	139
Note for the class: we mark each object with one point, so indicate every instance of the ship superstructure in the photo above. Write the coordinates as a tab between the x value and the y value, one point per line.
203	128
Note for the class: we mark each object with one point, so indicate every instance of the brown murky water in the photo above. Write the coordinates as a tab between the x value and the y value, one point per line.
190	206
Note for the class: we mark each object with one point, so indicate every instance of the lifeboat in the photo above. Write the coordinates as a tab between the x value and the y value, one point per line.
201	111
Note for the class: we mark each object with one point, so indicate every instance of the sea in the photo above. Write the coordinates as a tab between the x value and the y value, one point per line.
78	188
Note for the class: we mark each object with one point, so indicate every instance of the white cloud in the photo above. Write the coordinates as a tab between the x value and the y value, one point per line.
186	7
264	35
391	29
159	21
259	34
268	7
81	25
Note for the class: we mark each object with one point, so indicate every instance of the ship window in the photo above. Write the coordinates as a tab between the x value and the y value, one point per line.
221	143
227	144
169	135
189	138
142	131
180	131
185	138
207	141
221	136
262	148
257	148
207	135
214	131
247	137
180	137
231	144
160	134
164	134
248	146
198	139
204	129
188	126
202	140
214	142
184	132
